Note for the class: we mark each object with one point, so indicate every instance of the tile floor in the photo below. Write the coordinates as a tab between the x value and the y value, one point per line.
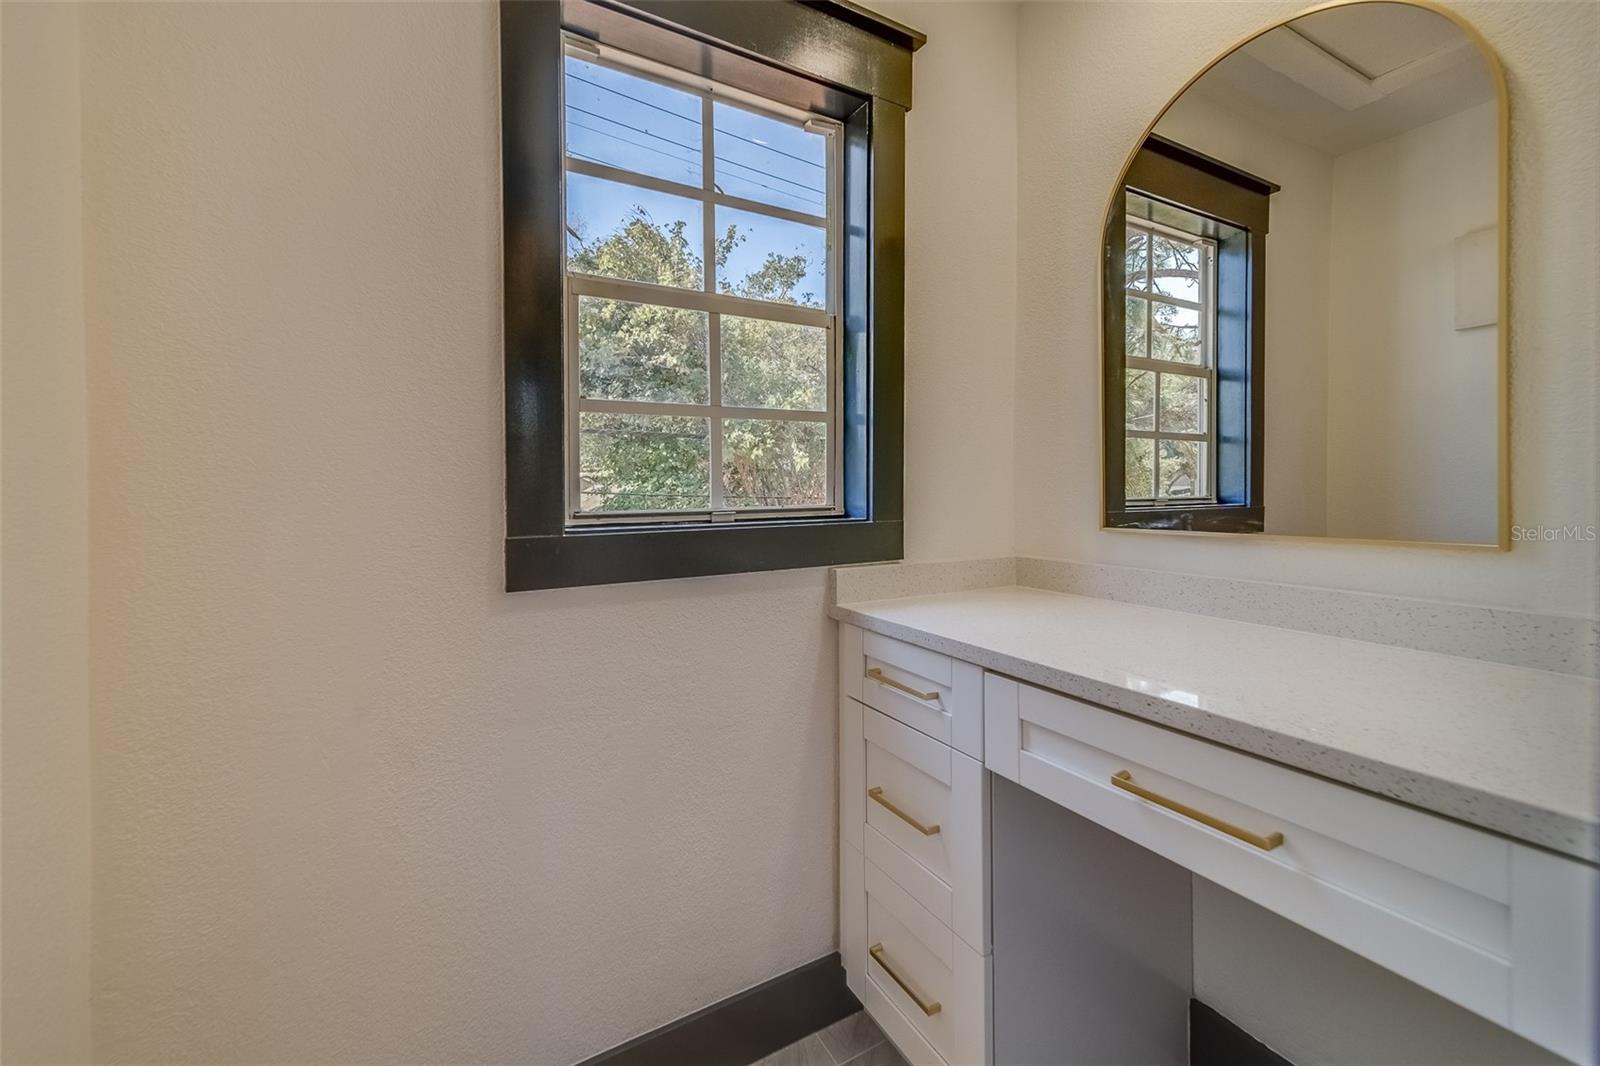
852	1041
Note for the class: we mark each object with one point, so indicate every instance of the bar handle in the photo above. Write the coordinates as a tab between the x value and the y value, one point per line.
875	674
876	794
1124	780
930	1009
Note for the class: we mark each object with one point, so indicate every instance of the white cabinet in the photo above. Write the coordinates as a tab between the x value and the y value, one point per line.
914	850
1503	929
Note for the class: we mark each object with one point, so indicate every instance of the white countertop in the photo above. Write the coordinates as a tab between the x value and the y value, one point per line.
1510	749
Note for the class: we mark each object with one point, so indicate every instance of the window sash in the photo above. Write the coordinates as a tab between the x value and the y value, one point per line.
707	299
1206	370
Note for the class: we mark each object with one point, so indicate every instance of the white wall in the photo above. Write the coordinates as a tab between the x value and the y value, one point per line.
44	497
1297	302
1082	107
961	279
1412	401
355	803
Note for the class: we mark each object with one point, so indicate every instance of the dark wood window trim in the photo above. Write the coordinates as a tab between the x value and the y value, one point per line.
857	68
1194	183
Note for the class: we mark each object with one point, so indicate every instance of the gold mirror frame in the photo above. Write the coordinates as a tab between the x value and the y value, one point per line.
1497	75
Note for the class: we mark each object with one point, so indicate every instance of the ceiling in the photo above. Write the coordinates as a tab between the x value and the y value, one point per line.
1345	77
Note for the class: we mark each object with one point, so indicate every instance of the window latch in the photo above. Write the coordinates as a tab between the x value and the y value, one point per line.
722	516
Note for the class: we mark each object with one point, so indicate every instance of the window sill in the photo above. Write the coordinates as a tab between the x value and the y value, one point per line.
617	554
1204	518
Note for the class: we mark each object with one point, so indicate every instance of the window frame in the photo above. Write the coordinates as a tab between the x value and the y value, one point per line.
1177	185
716	304
826	56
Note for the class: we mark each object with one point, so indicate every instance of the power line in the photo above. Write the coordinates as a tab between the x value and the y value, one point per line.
685	118
690	148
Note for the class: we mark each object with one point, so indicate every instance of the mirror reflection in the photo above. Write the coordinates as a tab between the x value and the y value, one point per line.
1303	290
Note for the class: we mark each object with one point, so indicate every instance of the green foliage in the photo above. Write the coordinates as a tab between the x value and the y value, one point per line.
645	352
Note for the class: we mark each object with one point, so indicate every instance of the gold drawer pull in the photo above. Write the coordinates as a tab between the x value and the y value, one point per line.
881	678
930	1009
1124	780
876	793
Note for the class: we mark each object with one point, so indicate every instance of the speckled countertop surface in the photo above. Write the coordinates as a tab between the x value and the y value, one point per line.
1503	747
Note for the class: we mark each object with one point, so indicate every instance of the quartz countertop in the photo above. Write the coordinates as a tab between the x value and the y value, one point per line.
1506	748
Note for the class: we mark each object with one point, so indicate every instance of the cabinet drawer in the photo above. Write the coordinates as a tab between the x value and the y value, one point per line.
926	811
928	974
930	692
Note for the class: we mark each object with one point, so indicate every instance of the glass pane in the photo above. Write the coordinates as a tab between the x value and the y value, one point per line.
1182	469
774	364
1182	404
1139	468
1137	312
1176	268
761	158
621	231
630	122
1175	333
774	463
1140	399
768	258
643	463
633	351
1137	258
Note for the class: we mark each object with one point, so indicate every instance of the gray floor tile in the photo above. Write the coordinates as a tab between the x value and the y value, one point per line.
882	1055
849	1037
806	1052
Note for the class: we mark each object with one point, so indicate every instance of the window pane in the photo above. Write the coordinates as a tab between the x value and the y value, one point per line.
633	123
1175	333
1140	399
1139	468
1176	268
1182	404
774	364
774	463
634	351
1181	469
1137	312
621	231
768	258
643	463
760	158
1137	258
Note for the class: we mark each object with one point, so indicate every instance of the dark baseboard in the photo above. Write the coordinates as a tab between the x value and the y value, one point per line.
1214	1040
747	1026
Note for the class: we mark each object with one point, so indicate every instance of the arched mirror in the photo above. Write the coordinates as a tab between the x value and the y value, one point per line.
1304	292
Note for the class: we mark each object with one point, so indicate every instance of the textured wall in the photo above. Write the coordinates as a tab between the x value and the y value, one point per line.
961	280
354	803
44	625
1081	109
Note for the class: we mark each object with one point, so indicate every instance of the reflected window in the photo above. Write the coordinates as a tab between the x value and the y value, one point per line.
1170	362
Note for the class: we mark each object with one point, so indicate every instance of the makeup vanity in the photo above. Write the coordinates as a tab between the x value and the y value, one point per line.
1381	797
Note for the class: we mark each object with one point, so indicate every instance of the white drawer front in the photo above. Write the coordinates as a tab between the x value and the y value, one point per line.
910	778
931	693
935	981
1450	936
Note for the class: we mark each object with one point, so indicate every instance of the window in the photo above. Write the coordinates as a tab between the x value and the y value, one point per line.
704	294
1170	364
701	290
1184	326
